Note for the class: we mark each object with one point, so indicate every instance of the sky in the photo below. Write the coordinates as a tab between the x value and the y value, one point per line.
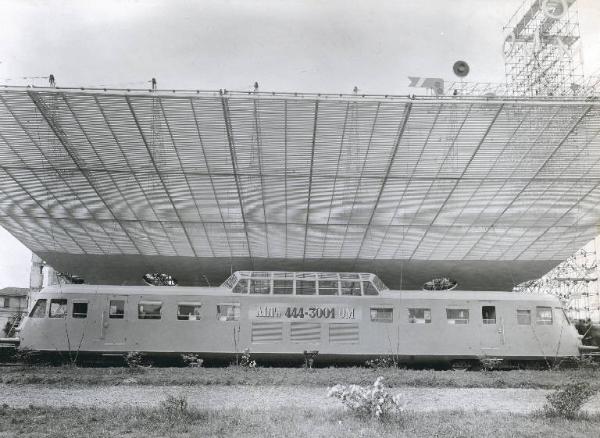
286	45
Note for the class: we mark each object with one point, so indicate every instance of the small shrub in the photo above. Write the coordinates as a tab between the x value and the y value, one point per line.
135	360
490	363
174	407
192	360
586	362
567	401
371	401
309	358
25	356
382	362
246	361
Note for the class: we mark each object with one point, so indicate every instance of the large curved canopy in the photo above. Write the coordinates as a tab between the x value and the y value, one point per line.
110	184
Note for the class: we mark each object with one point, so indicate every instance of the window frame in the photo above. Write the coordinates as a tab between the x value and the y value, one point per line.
152	315
368	283
539	321
380	308
524	312
182	317
306	281
277	288
117	315
246	283
329	288
87	307
221	317
488	321
33	313
454	320
352	288
66	308
262	283
6	303
230	282
416	320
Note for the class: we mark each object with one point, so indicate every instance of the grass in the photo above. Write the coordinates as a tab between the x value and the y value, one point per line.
76	422
66	375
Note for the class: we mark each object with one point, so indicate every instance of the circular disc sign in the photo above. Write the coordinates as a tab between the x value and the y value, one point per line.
461	69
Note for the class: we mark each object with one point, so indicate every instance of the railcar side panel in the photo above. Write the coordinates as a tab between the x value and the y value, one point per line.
411	327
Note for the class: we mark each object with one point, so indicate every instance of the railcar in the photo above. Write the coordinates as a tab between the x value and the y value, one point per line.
349	317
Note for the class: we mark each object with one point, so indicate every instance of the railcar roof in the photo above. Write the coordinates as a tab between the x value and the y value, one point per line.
221	291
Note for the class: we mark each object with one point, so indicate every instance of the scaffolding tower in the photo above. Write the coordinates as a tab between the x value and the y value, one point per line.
575	282
541	49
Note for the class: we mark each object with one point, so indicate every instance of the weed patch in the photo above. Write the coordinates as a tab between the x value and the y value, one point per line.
286	421
568	401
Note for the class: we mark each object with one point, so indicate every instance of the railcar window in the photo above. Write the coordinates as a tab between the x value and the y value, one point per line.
228	312
188	311
58	308
369	289
457	316
116	309
382	314
149	309
419	316
229	282
241	287
80	310
39	310
305	287
262	287
379	284
523	317
283	287
543	315
351	288
488	314
328	287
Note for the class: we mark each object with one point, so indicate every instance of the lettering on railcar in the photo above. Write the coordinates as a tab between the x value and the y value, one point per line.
316	312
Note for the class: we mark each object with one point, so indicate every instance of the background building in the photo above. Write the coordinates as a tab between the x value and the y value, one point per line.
13	304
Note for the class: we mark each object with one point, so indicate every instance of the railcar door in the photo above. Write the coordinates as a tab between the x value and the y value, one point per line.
115	321
491	330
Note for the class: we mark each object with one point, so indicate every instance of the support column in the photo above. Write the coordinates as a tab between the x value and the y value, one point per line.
36	276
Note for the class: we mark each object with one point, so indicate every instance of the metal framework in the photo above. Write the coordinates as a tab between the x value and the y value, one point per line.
540	51
575	282
247	180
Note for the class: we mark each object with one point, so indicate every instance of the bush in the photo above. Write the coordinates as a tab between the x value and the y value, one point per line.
174	408
490	363
586	362
382	362
192	360
135	360
25	356
567	401
371	401
246	361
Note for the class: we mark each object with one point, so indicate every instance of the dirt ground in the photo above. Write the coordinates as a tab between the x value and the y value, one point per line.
246	397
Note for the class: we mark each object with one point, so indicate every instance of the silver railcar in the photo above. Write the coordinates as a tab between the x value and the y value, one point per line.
282	315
